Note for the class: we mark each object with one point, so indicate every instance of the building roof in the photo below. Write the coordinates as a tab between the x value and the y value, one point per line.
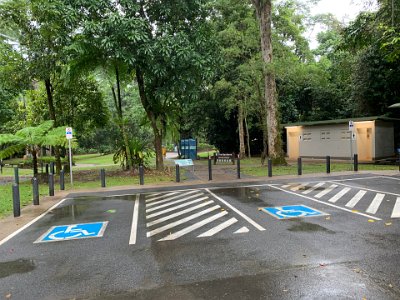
341	121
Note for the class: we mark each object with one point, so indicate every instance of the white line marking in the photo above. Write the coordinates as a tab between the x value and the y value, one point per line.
326	191
299	187
193	227
171	198
374	206
286	186
313	188
175	202
339	195
160	197
179	213
244	229
173	208
353	202
259	227
135	218
6	239
219	228
326	203
153	195
181	221
396	209
371	190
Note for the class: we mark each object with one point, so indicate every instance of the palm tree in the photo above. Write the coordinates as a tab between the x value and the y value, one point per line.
31	139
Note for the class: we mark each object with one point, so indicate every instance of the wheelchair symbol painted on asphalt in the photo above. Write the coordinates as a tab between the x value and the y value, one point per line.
293	211
72	232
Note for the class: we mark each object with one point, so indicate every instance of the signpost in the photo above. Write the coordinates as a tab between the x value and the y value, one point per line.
68	135
351	130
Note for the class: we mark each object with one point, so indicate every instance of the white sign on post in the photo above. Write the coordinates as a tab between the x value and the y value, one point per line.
68	133
351	126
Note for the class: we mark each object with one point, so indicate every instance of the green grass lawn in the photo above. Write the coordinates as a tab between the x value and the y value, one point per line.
95	159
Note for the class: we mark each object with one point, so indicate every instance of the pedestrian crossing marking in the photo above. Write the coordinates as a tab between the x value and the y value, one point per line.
166	199
339	195
353	202
326	191
396	209
374	206
193	227
299	187
218	228
175	202
164	211
313	188
160	197
181	221
244	229
179	213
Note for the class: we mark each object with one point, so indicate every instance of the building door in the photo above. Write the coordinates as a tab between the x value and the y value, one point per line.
364	143
293	143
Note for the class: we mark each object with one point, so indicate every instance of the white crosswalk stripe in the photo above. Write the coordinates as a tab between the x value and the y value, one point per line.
167	199
299	187
353	202
160	197
326	191
339	195
175	202
193	227
165	211
396	209
219	228
242	230
313	188
374	206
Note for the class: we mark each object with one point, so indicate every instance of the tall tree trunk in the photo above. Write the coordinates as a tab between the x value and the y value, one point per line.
247	137
242	149
264	13
52	113
153	120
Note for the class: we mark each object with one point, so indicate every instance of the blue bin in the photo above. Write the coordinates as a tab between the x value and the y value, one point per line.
188	148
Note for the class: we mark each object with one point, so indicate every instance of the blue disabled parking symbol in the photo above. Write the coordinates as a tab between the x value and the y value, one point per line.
293	211
72	232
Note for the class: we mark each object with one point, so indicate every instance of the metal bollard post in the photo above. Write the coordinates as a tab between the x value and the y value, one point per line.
178	173
103	178
47	169
52	168
238	167
209	169
16	200
35	190
16	175
215	158
51	185
62	180
299	166
355	162
141	175
269	167
328	164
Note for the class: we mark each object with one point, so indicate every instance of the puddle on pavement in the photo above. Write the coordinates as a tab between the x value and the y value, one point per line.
247	195
302	226
19	266
73	211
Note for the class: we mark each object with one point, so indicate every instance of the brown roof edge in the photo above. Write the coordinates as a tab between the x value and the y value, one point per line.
340	121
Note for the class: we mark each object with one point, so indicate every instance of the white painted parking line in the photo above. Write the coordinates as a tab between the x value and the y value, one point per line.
181	221
193	227
160	197
164	211
374	206
339	195
158	201
244	229
353	202
286	186
135	218
175	202
179	213
219	228
256	225
396	209
313	188
326	191
299	187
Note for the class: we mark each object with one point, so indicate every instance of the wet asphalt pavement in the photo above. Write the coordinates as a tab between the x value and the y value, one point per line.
216	243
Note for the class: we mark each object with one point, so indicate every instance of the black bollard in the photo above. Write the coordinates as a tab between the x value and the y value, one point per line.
16	175
269	167
103	178
62	180
355	162
35	190
328	164
178	173
51	185
238	167
52	168
141	175
209	169
16	200
47	169
299	166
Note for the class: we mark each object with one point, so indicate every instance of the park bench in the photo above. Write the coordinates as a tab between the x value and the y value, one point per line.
224	157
